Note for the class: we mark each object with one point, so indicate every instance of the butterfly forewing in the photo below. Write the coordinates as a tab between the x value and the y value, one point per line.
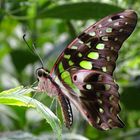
85	69
97	47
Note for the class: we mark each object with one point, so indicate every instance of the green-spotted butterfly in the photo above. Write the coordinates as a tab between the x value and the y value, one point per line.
83	73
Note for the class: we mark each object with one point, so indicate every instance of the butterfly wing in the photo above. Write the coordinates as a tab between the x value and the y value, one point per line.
97	47
86	66
97	97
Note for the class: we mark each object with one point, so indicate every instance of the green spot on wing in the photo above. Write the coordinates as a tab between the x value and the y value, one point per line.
104	69
109	30
70	63
93	55
108	58
61	68
67	56
74	47
66	77
107	86
88	86
92	33
79	54
88	44
86	64
105	38
80	41
100	46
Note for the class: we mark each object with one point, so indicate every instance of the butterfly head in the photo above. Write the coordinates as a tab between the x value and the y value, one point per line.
42	73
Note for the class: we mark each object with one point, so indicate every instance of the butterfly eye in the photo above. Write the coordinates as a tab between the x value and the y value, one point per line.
40	73
45	74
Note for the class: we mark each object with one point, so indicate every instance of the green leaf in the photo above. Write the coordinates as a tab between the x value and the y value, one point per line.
18	135
17	8
44	5
1	15
131	98
18	97
84	10
26	56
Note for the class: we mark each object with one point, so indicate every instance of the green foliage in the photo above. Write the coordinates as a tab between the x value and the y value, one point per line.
51	26
79	11
17	97
28	59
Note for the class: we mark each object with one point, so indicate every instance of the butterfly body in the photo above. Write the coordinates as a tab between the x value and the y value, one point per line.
47	84
84	72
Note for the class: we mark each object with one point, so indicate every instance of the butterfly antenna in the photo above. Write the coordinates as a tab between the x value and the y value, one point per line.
40	59
33	50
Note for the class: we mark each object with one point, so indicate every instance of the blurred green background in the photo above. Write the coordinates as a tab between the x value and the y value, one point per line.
51	25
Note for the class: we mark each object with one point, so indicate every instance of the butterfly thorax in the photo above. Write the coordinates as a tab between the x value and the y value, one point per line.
46	83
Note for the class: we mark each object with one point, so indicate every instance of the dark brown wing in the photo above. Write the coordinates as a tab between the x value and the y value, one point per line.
97	47
86	66
98	98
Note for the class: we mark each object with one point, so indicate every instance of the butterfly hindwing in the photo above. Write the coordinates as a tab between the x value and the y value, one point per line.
98	98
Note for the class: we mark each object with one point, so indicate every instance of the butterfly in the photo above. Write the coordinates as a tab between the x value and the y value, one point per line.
83	73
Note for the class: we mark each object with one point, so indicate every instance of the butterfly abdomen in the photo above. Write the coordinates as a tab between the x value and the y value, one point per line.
66	109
